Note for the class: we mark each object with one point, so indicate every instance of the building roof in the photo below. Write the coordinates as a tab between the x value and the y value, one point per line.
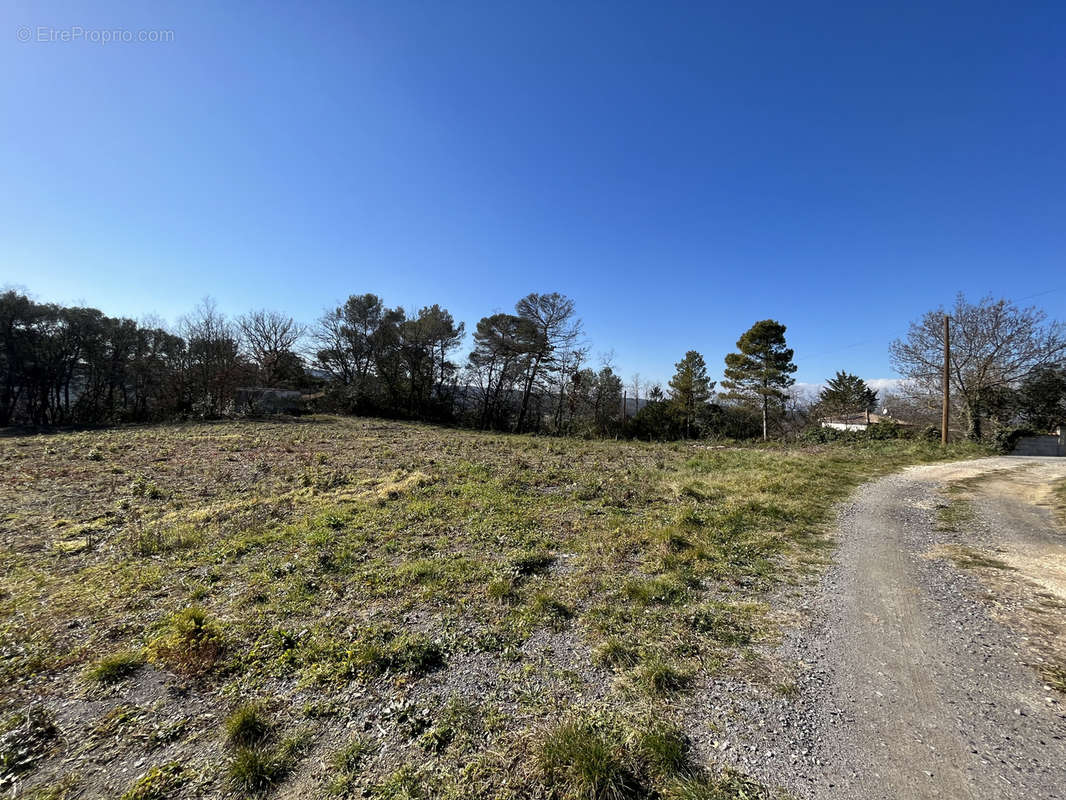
860	418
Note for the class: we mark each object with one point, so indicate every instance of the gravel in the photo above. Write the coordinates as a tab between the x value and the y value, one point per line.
906	685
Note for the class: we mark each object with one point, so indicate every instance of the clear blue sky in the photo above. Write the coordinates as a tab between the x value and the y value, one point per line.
680	170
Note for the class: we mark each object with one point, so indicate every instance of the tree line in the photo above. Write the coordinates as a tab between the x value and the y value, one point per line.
527	371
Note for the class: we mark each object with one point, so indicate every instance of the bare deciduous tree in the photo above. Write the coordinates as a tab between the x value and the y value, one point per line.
994	344
270	338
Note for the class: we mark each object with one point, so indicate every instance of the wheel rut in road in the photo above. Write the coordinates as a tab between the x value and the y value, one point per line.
927	695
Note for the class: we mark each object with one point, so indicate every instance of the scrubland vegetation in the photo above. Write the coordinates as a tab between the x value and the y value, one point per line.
357	608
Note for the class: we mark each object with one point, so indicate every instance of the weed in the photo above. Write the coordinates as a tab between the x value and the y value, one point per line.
503	590
663	747
158	783
1055	675
26	736
615	653
725	624
457	717
157	539
255	770
64	789
729	785
404	784
142	487
247	725
347	765
659	589
531	563
114	668
191	644
657	676
555	612
954	515
969	558
581	760
423	570
375	652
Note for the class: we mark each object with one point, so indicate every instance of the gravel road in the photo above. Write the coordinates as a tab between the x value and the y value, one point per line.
910	685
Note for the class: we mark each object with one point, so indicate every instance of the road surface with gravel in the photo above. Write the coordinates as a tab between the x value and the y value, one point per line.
919	675
925	693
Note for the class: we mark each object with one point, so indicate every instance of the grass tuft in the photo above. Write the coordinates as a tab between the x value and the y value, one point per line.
254	769
158	783
660	589
662	745
247	725
580	760
616	654
116	667
192	643
657	676
729	785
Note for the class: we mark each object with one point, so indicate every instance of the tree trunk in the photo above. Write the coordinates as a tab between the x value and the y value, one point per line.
765	403
525	396
974	409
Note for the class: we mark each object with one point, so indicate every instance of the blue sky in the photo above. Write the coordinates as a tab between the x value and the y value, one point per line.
680	170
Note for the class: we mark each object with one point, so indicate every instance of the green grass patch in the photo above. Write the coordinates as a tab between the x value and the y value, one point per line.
116	667
955	515
160	782
248	724
191	644
302	557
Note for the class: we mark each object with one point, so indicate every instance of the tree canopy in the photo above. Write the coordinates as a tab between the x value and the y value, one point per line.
994	344
762	369
845	394
690	389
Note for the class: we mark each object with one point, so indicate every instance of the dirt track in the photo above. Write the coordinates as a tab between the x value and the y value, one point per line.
919	685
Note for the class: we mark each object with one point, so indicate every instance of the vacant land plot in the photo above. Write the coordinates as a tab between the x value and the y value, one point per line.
379	609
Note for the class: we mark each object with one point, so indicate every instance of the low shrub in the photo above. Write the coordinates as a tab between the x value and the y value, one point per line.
1006	439
192	643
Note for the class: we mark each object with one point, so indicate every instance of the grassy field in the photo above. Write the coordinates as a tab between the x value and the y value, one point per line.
355	607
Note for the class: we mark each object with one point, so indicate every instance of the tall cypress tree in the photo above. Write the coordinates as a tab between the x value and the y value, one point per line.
763	368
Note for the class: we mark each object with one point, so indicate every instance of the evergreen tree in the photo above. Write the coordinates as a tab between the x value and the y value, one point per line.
847	394
690	389
763	368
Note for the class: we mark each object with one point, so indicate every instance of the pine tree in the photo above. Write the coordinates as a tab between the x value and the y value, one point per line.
763	368
690	389
847	394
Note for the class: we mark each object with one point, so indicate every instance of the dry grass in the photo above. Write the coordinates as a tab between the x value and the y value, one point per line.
445	592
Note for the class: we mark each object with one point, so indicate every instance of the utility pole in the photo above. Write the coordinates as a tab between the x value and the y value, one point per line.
947	382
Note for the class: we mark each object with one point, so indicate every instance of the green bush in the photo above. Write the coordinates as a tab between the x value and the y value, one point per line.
885	430
1006	439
